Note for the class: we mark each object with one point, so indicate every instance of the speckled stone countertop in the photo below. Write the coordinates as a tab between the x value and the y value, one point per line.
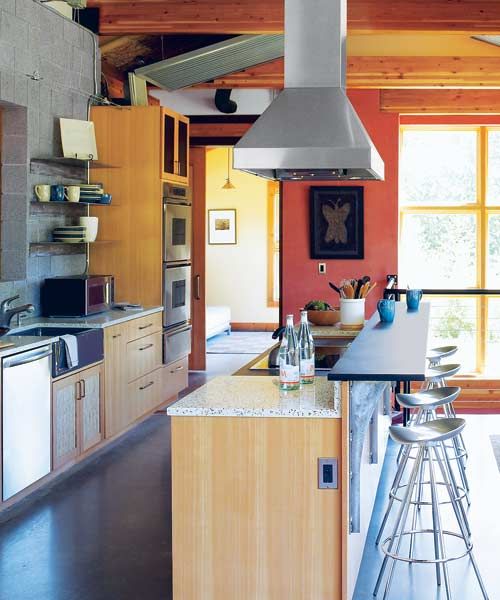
333	331
105	319
229	396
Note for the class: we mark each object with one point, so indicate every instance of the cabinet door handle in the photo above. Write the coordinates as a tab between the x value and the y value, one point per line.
143	387
197	287
117	335
179	368
78	390
146	347
146	326
84	388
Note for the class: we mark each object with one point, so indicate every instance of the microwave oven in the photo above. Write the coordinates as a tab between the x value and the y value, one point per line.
77	295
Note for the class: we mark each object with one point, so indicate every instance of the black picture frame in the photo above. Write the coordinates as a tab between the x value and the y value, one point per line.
337	222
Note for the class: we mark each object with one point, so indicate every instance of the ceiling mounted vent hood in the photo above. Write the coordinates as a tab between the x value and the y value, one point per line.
311	131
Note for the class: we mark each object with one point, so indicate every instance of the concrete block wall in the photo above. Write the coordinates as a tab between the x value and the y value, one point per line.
34	37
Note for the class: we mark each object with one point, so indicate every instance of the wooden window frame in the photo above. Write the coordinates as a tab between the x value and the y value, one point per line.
273	243
481	211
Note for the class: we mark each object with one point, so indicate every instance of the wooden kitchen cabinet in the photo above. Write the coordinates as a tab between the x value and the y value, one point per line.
76	414
64	420
117	406
174	147
133	364
143	356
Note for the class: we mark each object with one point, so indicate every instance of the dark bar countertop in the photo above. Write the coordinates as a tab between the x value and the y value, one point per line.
388	351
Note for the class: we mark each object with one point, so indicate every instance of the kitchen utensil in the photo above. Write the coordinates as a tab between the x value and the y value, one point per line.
349	291
105	199
57	193
72	193
92	225
413	298
386	310
334	287
370	288
42	192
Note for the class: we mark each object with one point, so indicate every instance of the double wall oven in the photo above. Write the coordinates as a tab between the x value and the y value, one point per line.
177	224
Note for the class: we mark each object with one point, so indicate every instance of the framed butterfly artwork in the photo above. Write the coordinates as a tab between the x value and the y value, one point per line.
337	224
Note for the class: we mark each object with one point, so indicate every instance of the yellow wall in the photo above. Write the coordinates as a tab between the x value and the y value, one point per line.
236	275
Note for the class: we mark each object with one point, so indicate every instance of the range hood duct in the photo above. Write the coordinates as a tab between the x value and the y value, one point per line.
311	131
212	62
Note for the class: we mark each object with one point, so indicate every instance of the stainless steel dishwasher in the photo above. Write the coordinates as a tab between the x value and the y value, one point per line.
26	419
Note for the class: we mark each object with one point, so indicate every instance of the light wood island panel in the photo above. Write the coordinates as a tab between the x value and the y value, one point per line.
249	521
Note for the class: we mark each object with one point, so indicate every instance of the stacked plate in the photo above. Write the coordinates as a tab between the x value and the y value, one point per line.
91	192
71	234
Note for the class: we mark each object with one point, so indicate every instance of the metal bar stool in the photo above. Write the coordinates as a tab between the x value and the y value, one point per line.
425	405
436	355
435	377
429	438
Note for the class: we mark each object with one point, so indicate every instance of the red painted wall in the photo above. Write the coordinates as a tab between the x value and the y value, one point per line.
300	277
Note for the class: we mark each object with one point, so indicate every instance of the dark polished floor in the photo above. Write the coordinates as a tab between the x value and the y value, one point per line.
103	532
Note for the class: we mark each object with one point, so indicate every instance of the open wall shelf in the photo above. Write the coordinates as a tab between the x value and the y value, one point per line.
61	248
74	168
61	208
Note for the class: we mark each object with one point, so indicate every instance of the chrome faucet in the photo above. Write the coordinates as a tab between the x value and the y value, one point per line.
7	313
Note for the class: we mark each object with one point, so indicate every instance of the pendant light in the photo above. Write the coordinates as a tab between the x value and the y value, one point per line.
228	185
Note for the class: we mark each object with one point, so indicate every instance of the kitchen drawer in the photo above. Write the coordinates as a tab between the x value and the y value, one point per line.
143	356
138	328
146	393
175	378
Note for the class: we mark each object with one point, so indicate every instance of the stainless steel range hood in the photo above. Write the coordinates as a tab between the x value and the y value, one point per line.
311	131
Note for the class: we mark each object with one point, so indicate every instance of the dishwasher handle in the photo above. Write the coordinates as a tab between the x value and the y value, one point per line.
26	357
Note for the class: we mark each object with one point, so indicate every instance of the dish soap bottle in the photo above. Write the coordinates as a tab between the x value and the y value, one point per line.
289	358
306	350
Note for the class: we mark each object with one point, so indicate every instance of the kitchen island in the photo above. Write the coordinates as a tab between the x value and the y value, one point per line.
257	511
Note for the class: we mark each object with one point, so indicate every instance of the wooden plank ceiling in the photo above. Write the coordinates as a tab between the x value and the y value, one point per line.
120	17
138	33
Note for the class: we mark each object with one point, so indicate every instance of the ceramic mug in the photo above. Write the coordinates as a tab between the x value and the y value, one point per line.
72	193
386	310
92	224
413	298
42	192
57	193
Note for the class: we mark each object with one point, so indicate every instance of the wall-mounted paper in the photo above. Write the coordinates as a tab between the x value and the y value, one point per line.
78	139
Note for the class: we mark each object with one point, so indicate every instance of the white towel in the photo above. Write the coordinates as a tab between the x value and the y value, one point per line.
71	350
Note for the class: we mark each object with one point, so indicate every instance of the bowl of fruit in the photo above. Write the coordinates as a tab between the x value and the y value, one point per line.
322	313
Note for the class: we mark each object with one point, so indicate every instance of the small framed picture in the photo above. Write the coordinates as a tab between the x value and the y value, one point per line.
222	226
336	219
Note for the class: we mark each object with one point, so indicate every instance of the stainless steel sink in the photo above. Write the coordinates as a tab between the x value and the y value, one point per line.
90	344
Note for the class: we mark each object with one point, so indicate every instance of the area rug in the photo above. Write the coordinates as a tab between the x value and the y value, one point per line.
240	342
495	442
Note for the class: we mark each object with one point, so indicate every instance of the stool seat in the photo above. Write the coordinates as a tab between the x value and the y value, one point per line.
429	399
438	430
441	352
440	372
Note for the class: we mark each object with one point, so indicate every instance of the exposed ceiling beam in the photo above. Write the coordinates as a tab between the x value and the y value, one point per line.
118	17
439	102
365	72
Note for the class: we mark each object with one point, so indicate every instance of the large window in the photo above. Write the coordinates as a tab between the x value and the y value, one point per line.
450	233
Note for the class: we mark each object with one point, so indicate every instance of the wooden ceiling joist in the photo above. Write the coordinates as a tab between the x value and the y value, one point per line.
365	72
439	102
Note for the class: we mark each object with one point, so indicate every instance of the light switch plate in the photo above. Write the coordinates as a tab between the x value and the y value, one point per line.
321	268
328	473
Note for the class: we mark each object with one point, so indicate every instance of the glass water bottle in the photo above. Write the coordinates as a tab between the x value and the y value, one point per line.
289	358
306	350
